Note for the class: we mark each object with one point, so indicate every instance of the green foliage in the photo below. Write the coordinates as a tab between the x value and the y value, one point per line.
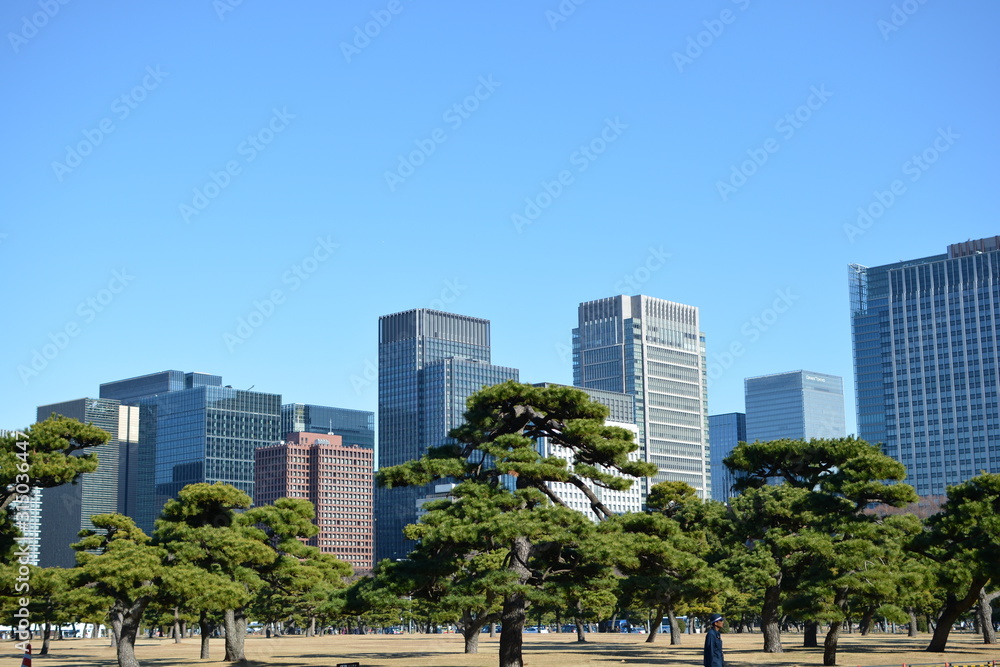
963	541
538	537
302	581
54	454
663	563
217	550
809	537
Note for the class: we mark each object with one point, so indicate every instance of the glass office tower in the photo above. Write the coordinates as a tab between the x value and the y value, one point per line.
924	335
725	431
430	362
193	429
66	509
652	349
355	427
798	405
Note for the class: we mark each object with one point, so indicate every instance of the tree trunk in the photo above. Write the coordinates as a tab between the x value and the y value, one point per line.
581	635
654	627
470	632
312	627
951	612
512	616
206	633
46	634
493	630
675	632
810	635
770	618
865	626
129	626
912	632
985	615
176	630
830	644
235	623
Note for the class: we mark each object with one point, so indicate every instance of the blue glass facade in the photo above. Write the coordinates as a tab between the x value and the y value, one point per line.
355	427
651	349
66	509
725	431
799	405
430	362
194	431
925	362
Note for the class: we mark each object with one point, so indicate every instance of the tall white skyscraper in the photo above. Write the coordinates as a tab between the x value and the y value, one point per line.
654	350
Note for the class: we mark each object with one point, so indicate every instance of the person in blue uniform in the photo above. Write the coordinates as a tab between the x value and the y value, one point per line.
713	642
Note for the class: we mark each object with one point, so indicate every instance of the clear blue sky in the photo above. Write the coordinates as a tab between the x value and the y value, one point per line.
635	115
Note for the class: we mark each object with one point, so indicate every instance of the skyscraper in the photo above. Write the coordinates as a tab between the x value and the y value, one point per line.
335	477
725	431
430	362
67	509
654	350
925	342
355	427
797	405
193	429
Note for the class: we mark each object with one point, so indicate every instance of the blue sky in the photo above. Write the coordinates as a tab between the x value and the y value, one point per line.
174	169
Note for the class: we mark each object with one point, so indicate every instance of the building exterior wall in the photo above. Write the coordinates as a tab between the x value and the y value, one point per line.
336	478
725	431
67	508
192	429
430	362
356	427
653	350
925	344
797	405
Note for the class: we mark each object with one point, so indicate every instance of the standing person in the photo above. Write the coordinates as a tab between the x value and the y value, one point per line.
713	642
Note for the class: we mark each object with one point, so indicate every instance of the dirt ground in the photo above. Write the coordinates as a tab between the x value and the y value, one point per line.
540	650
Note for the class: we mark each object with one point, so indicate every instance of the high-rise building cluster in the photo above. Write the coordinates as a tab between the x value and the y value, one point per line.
925	354
172	428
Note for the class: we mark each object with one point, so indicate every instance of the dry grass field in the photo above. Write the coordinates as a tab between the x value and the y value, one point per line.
547	650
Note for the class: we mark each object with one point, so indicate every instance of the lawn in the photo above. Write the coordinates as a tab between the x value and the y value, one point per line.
540	650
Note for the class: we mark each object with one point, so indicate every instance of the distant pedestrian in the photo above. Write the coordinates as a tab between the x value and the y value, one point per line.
713	642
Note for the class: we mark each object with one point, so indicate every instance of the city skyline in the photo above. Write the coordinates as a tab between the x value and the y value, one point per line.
284	177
